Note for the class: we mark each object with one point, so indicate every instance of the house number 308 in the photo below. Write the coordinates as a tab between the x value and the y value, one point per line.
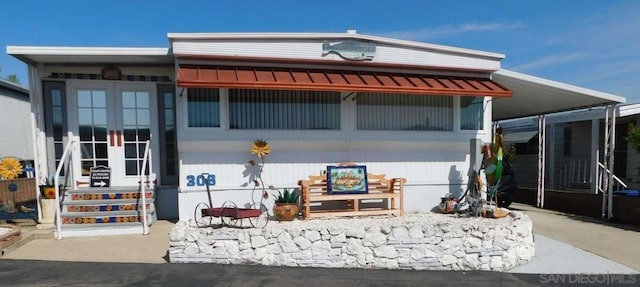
200	180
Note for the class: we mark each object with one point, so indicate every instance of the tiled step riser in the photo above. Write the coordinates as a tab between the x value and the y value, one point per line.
79	220
105	207
108	196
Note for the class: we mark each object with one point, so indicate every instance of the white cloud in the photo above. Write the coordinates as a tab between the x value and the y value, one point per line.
448	30
551	60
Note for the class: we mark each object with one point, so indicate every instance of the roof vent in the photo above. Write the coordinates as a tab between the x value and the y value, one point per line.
351	31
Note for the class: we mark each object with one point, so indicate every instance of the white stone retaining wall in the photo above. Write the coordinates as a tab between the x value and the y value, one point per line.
416	241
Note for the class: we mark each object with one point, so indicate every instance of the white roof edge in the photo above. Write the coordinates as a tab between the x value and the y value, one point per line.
571	116
247	36
559	85
14	86
629	110
83	51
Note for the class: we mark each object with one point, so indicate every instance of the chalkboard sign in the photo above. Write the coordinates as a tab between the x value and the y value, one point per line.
100	176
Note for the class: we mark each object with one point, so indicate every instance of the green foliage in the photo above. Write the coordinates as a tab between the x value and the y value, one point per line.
13	78
287	196
48	181
509	152
633	138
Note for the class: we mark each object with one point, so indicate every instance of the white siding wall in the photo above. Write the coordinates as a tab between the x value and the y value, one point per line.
312	50
434	163
16	133
432	169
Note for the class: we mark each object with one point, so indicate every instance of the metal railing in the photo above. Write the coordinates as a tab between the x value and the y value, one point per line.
66	155
602	174
146	158
576	171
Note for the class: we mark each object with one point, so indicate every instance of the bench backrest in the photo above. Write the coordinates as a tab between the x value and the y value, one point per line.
317	184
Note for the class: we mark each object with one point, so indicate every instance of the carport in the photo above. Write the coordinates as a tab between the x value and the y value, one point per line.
533	96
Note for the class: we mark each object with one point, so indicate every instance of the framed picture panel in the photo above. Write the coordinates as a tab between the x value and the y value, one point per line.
347	179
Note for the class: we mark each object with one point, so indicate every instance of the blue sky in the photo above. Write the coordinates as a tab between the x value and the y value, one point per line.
588	43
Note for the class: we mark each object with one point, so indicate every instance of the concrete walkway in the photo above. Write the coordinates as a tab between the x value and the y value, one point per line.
150	248
564	244
616	242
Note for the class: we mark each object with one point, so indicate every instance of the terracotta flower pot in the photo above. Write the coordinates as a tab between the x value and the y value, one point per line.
285	211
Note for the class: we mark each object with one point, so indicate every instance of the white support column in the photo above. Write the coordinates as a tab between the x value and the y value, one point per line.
541	160
605	159
608	160
612	146
595	136
550	141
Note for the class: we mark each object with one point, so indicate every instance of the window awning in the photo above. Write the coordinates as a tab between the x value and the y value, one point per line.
519	137
335	80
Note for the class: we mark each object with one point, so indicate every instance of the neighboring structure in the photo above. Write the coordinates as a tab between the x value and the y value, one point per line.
401	108
575	145
16	126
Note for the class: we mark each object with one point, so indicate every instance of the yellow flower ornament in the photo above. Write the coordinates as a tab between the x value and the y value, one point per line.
260	148
10	168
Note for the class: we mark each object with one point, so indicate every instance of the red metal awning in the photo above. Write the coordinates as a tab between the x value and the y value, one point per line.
335	80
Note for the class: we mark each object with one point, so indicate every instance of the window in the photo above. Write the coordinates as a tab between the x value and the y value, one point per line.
377	111
55	121
471	113
203	108
567	141
530	147
166	118
283	109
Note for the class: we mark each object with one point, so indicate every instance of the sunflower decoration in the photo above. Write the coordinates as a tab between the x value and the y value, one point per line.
10	168
260	148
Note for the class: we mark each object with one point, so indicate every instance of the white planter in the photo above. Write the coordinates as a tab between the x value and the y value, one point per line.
48	207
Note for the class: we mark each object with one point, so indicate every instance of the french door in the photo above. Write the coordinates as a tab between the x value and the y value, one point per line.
111	122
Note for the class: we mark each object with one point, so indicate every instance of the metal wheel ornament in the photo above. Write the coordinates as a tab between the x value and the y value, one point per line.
230	207
262	220
201	221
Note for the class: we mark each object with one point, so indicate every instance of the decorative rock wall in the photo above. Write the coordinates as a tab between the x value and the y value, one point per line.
416	241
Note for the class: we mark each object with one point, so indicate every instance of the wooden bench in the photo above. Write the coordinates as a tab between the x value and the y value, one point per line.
314	190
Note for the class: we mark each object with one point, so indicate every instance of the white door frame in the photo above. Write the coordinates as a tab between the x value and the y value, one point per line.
115	128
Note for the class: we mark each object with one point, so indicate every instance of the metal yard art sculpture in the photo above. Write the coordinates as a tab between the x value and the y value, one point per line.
497	172
494	164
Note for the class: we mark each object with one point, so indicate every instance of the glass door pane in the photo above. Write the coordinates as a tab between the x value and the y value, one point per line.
136	125
92	129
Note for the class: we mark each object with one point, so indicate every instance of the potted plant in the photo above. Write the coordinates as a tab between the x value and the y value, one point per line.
286	205
48	189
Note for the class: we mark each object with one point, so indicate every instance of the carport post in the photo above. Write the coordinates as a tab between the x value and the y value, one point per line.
541	159
608	160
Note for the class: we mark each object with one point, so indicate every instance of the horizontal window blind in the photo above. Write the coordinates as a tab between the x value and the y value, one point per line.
283	109
379	111
203	108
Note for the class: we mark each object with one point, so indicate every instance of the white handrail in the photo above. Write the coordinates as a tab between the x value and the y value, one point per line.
145	227
617	179
56	182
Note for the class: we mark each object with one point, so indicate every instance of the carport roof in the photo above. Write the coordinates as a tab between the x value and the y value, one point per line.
536	96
